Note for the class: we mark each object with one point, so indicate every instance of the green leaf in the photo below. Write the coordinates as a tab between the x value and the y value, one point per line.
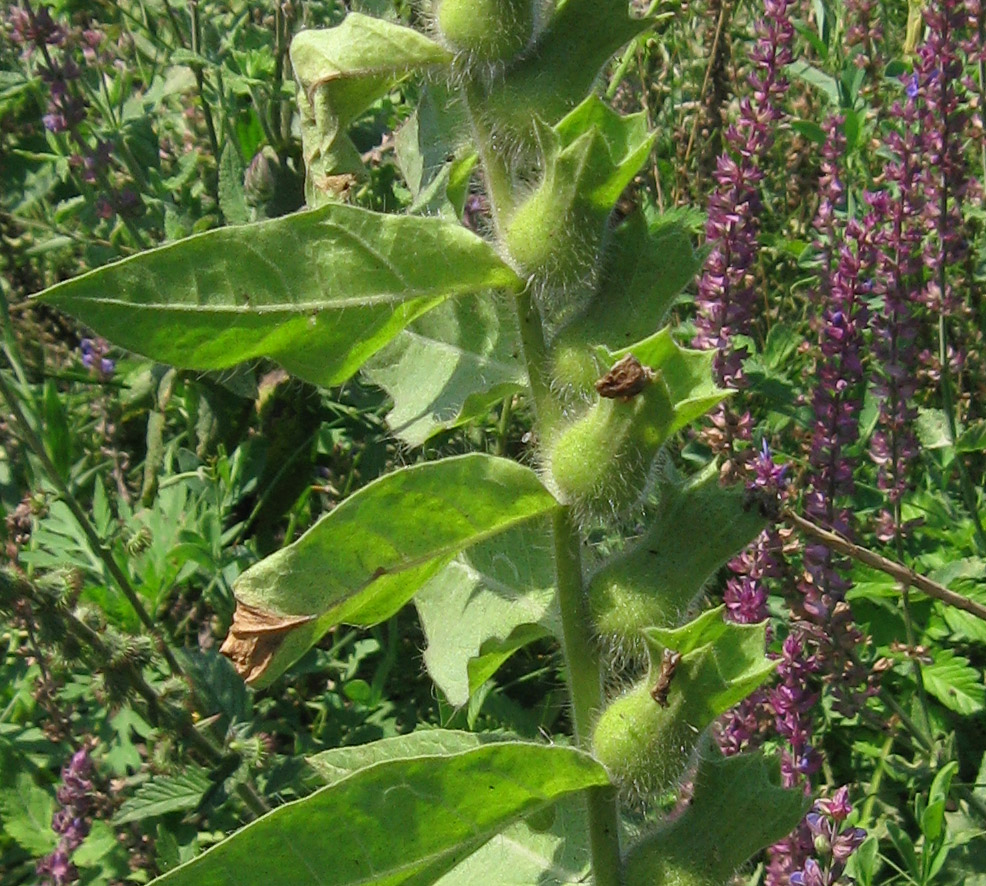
450	366
955	683
580	38
932	429
933	817
905	848
396	821
645	267
972	439
616	146
57	439
826	84
660	576
721	663
217	685
591	156
426	145
365	559
527	852
338	763
232	199
341	72
319	292
738	807
102	857
25	815
474	611
686	373
163	794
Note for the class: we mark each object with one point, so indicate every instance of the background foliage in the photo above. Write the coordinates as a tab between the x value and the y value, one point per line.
835	181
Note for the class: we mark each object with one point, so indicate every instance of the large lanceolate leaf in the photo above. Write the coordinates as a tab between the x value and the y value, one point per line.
449	366
319	292
549	849
485	605
342	71
364	560
406	819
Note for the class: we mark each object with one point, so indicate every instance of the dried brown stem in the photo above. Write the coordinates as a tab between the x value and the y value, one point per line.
906	577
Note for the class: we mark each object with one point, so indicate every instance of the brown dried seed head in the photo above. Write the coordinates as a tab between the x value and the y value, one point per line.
627	378
669	664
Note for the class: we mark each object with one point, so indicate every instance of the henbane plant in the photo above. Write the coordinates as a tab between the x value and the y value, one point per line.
571	298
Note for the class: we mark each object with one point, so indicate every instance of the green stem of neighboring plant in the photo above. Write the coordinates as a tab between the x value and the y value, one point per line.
195	30
948	399
503	426
98	547
926	745
866	813
14	587
948	404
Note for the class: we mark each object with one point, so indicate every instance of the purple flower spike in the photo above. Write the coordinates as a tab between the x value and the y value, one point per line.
71	822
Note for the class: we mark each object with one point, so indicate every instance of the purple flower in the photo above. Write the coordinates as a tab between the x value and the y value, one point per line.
94	356
56	869
726	294
832	844
71	822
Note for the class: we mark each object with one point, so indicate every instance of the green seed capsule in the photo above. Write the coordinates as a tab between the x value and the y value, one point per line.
646	746
658	578
600	463
548	235
489	30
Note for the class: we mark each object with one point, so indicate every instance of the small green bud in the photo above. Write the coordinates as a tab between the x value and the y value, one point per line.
260	179
645	746
548	236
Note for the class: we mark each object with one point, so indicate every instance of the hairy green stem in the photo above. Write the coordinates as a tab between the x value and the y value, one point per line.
499	181
581	652
585	685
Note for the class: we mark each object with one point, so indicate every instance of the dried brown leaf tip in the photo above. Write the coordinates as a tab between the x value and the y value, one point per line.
669	664
627	378
254	636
